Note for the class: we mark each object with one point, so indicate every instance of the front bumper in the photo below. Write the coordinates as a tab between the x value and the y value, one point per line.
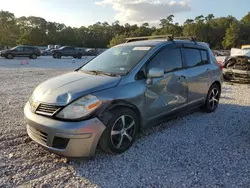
70	139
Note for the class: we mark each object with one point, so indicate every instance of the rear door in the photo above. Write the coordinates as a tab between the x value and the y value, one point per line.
169	92
72	51
198	67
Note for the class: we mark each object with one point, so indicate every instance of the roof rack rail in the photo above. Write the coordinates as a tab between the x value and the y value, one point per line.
132	39
168	37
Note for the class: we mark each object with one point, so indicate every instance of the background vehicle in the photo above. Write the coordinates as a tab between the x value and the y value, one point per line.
67	51
122	91
46	52
21	51
91	52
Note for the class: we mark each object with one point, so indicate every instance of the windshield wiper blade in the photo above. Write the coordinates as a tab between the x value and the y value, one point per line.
100	73
107	73
91	71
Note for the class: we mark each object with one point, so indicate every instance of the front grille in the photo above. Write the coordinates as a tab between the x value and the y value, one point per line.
48	110
41	136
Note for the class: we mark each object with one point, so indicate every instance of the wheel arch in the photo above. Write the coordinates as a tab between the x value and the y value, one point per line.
123	104
217	83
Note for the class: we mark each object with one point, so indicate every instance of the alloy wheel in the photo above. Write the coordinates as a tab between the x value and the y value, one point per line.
214	98
122	131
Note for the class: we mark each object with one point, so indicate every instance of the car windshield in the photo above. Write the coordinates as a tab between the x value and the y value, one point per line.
14	48
117	60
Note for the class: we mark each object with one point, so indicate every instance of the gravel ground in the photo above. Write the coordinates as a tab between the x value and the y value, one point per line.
196	150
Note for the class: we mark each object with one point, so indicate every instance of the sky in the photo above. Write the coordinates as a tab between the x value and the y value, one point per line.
78	13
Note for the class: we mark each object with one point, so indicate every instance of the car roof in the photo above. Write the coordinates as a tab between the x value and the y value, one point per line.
158	42
26	46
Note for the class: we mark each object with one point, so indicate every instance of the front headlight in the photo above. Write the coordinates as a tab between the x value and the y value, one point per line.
80	108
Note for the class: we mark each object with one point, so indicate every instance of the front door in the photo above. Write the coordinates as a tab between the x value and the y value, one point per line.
197	64
170	92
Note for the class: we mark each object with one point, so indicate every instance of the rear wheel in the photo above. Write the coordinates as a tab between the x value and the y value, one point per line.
9	56
33	56
213	97
120	132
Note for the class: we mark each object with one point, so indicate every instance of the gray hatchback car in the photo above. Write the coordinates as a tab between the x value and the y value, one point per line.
121	92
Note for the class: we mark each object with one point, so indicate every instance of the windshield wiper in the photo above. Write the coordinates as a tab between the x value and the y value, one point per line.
89	72
107	74
100	73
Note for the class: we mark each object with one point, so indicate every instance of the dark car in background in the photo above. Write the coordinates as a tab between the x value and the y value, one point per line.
67	51
91	52
21	51
47	51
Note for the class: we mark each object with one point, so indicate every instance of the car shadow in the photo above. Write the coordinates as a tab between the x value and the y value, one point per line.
195	149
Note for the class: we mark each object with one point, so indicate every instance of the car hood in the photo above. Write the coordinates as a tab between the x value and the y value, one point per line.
66	88
3	51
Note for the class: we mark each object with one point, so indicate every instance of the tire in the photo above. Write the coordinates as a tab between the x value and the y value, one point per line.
9	56
79	56
126	134
58	55
213	98
33	56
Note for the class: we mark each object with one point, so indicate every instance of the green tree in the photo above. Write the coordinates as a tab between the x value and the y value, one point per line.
118	39
232	36
9	31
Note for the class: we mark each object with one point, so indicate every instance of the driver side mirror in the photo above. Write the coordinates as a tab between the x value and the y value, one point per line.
155	73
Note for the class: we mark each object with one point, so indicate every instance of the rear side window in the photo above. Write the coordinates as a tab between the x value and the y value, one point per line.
204	57
167	59
28	48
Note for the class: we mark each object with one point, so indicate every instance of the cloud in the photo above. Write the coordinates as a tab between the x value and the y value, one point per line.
138	11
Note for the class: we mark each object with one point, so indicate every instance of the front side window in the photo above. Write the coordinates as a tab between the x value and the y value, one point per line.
167	59
19	49
117	60
193	57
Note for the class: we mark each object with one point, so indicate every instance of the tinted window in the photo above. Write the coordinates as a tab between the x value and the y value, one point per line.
19	48
27	49
167	59
193	57
204	56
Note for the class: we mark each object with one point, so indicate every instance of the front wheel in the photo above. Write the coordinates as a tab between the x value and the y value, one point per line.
59	55
120	132
213	97
9	56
